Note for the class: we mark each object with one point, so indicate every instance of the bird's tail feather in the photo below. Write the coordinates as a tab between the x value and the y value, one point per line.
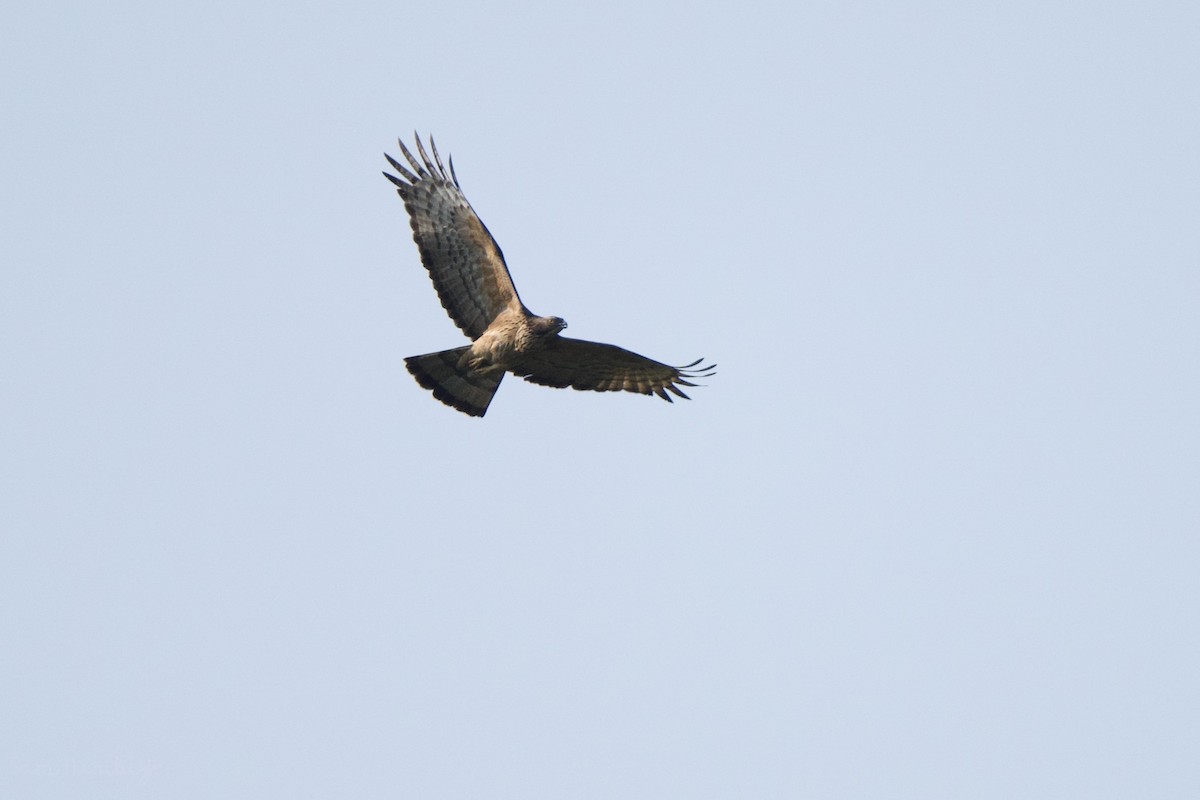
467	390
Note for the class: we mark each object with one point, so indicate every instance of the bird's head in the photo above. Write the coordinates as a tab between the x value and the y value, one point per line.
549	326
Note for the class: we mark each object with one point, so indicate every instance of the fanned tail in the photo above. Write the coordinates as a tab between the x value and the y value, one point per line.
468	391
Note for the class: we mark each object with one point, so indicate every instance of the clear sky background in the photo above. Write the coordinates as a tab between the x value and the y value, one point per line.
930	532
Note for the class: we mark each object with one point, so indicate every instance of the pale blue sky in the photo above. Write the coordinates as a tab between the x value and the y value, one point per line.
930	532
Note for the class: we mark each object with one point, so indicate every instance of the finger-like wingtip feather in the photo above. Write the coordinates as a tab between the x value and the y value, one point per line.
396	165
437	159
424	156
697	370
411	160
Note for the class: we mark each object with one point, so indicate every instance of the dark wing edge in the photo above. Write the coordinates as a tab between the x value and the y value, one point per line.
598	367
462	257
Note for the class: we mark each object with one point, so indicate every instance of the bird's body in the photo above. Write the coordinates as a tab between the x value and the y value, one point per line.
512	336
476	289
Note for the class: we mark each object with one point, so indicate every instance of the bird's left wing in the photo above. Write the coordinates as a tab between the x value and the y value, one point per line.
606	368
463	259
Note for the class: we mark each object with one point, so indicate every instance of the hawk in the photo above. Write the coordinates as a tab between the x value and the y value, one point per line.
474	285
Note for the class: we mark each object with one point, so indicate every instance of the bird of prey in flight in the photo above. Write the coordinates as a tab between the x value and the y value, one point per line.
474	285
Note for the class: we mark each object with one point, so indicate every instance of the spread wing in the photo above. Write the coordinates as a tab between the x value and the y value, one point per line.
463	259
606	368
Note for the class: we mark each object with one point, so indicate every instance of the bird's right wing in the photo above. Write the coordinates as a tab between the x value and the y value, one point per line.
605	368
